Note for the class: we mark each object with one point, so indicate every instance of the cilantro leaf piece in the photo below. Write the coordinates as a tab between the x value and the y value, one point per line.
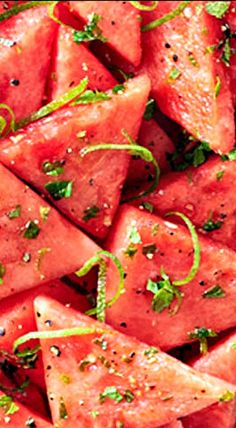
118	89
150	109
227	396
91	97
214	292
90	212
202	334
217	8
7	404
211	225
53	168
164	293
112	393
174	74
231	156
32	230
217	86
62	409
59	189
15	213
2	273
91	31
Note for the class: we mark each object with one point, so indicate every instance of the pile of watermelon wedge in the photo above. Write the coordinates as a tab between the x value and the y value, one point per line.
117	214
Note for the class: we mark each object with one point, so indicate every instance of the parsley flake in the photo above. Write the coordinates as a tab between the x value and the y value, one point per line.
164	293
211	225
91	31
59	189
53	168
7	404
131	250
2	273
118	89
44	212
174	74
150	352
147	206
90	212
134	235
112	393
32	230
214	292
62	409
150	109
231	156
202	334
219	175
217	86
227	396
217	8
193	60
15	213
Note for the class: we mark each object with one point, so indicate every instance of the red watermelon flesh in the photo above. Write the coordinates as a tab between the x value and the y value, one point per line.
89	370
34	248
201	193
220	361
73	62
176	424
184	75
120	25
22	417
231	20
17	318
57	138
156	140
172	249
21	86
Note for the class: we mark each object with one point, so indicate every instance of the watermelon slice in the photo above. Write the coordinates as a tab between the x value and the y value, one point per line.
30	34
166	245
106	379
220	361
36	243
60	137
16	415
119	23
190	84
202	193
156	140
73	62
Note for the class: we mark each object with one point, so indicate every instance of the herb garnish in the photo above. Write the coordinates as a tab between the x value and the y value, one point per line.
113	393
217	86
32	230
44	212
174	74
118	89
211	225
182	159
202	334
15	213
62	409
8	405
91	31
90	213
227	396
91	97
59	189
150	109
2	273
214	292
231	156
53	168
147	206
217	8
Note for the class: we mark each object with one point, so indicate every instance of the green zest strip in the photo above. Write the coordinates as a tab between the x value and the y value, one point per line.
17	9
55	105
101	292
67	332
196	249
3	122
144	7
166	18
135	150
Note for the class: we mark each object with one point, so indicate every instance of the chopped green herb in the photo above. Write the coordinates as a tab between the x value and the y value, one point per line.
149	250
214	292
32	230
28	357
202	334
147	206
59	189
41	254
65	379
131	250
118	89
219	175
217	8
231	156
150	352
155	229
226	54
44	212
94	414
150	109
91	97
134	235
90	212
128	396
14	213
174	74
91	31
182	159
227	396
101	342
211	225
164	293
217	86
210	49
7	404
112	393
166	18
53	168
2	272
193	60
62	409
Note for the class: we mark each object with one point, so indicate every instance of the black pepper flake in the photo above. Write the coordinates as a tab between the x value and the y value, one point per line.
38	314
48	367
2	331
123	324
48	323
167	45
30	423
202	282
55	351
175	58
14	82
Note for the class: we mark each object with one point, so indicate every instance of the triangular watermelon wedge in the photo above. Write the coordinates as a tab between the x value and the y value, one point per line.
30	34
220	361
73	62
119	23
144	244
202	194
189	83
19	416
114	380
60	137
36	243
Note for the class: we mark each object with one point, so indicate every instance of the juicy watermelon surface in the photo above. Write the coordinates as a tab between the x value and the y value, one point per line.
159	354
